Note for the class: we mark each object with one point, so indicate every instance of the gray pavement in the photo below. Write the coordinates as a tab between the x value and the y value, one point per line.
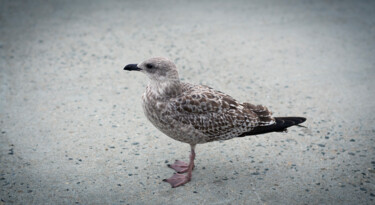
72	129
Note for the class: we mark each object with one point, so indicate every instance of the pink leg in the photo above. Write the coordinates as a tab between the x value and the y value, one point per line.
179	166
181	179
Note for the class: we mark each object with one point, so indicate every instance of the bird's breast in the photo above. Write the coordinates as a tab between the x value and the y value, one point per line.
159	114
155	109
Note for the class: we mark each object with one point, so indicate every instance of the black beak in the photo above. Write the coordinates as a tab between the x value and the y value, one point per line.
131	67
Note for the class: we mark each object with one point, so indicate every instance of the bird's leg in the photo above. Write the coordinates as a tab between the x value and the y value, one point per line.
181	179
179	166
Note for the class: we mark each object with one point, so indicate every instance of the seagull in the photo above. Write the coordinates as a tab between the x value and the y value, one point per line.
197	114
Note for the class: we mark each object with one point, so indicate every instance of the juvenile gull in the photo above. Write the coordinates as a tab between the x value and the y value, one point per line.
197	114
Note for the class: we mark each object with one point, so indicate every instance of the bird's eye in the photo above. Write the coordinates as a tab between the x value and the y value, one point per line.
149	66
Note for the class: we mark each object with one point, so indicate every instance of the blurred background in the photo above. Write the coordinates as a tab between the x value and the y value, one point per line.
73	130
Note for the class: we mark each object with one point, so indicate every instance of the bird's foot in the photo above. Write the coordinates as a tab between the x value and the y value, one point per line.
179	166
177	180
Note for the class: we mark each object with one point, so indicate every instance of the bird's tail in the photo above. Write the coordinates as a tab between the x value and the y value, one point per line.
281	124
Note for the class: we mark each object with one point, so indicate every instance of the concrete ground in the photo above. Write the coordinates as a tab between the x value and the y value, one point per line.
72	129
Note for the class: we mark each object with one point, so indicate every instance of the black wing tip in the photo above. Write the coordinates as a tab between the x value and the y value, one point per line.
296	120
282	123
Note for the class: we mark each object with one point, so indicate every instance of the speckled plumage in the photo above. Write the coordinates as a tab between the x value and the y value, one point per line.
197	114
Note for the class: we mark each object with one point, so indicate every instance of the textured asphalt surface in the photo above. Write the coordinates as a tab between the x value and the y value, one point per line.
72	129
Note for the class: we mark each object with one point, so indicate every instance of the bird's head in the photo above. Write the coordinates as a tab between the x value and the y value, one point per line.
158	69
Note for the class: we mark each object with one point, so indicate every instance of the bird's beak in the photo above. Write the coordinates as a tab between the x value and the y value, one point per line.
131	67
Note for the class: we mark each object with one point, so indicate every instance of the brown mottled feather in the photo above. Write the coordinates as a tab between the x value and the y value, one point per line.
215	114
197	114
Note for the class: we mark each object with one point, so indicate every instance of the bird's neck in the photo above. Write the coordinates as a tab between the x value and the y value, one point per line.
165	89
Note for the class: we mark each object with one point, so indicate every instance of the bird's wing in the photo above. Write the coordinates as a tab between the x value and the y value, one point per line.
214	113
